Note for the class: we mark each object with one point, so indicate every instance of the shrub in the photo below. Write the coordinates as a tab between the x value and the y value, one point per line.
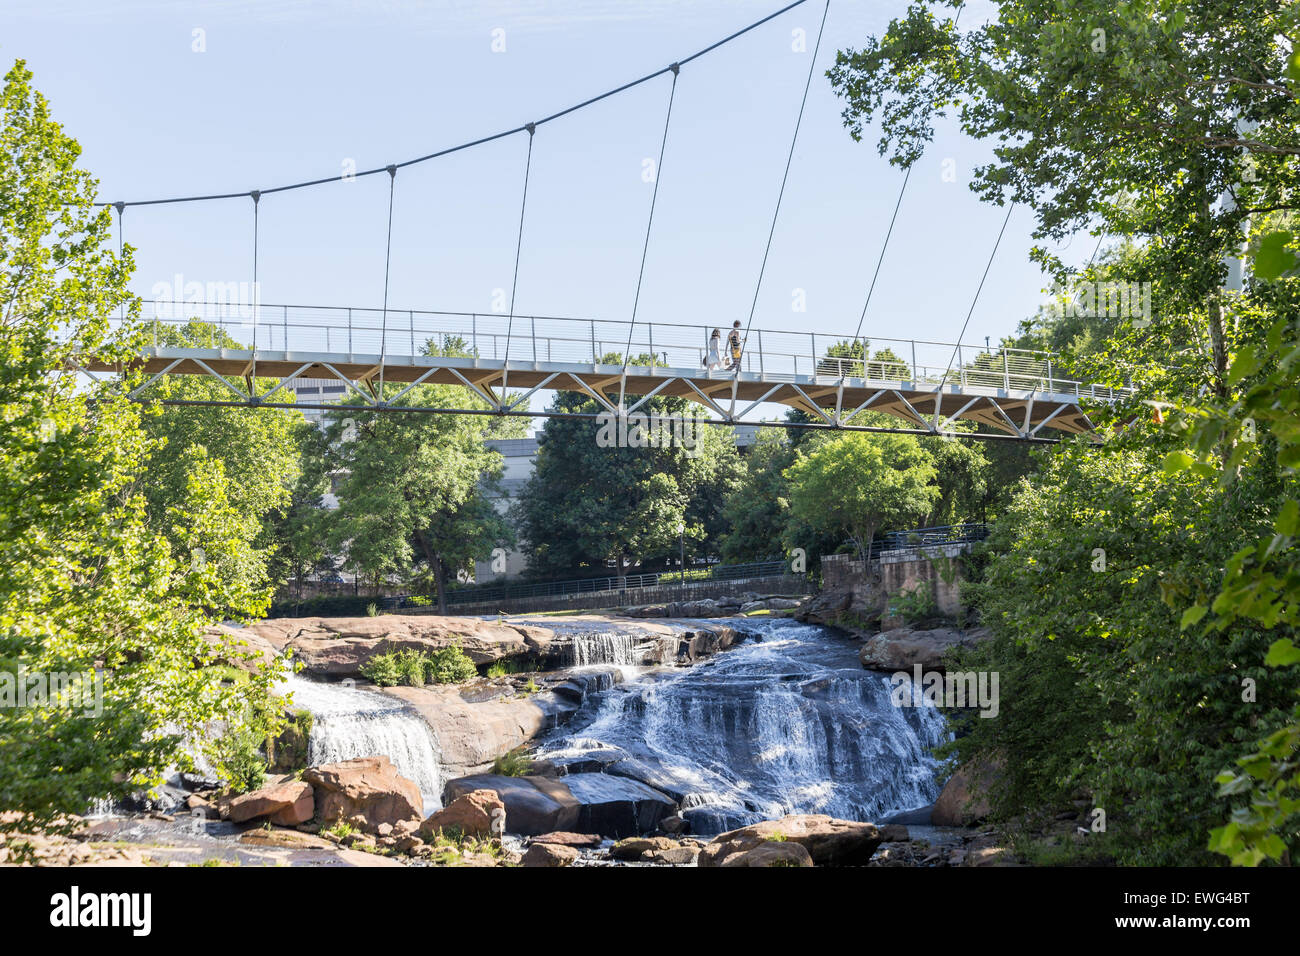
916	604
383	670
450	665
239	761
513	764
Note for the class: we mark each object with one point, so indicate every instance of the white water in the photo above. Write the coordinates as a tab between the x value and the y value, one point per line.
348	723
789	725
591	648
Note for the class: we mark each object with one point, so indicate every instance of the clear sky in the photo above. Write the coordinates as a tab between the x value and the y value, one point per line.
287	90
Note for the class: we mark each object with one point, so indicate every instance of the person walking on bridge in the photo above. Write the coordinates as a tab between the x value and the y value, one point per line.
733	343
713	361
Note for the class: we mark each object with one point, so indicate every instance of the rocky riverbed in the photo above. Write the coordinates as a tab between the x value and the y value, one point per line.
693	736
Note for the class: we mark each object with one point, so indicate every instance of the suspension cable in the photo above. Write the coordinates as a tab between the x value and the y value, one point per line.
388	252
519	244
971	310
812	66
484	139
907	174
875	275
654	195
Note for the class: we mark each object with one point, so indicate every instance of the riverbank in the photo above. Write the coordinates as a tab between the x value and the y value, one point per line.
673	731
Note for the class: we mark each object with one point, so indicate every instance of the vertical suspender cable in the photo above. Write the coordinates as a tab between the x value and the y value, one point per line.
812	66
257	295
519	244
120	206
654	195
388	251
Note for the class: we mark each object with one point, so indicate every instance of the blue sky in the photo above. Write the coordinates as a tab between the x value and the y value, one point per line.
287	91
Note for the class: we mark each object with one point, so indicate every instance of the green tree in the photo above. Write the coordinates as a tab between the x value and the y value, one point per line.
86	585
1133	119
757	512
607	491
858	484
413	487
253	453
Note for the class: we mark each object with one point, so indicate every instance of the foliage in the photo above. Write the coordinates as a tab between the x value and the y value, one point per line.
513	764
243	462
859	483
756	513
238	752
87	585
591	502
415	490
1259	431
916	604
447	665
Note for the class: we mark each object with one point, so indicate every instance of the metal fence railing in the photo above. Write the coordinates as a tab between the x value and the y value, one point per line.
582	586
773	356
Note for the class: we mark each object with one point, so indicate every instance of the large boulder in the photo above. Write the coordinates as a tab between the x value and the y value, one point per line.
471	734
287	802
367	790
583	802
829	842
471	814
550	854
770	604
772	853
903	648
847	607
964	799
337	647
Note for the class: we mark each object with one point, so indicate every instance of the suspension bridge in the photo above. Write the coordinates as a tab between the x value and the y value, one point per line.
379	356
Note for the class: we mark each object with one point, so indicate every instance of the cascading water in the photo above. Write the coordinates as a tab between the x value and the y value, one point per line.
791	724
591	648
347	723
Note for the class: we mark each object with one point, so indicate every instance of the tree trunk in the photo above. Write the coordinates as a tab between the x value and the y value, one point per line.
440	579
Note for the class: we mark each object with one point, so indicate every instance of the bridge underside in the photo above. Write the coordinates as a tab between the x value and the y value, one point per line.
732	397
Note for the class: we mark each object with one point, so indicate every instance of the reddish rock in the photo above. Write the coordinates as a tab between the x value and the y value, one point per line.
550	854
964	799
368	790
287	802
565	838
470	813
772	853
829	842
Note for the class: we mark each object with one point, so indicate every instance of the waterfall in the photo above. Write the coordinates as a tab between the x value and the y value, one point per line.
347	723
791	724
606	648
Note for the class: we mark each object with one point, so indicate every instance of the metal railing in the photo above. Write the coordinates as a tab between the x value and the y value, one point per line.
920	538
772	356
476	594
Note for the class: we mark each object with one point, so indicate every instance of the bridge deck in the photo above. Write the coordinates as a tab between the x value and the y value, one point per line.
1014	391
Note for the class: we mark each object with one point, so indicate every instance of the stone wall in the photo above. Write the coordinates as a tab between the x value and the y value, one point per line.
895	572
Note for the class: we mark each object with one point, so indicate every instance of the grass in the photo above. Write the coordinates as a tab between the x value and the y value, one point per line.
511	665
342	829
513	764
